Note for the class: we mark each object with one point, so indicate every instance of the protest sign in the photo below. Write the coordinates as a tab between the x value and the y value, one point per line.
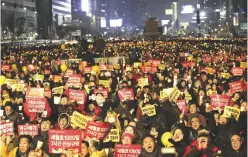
155	63
105	83
97	130
137	64
236	86
211	92
77	95
6	67
225	75
113	135
46	72
68	72
143	82
175	93
182	105
161	66
129	68
231	111
35	92
243	65
127	150
62	140
28	129
79	120
57	78
87	69
147	69
75	78
58	90
149	110
103	91
36	104
217	101
165	93
19	87
237	71
188	97
7	128
126	94
38	77
10	82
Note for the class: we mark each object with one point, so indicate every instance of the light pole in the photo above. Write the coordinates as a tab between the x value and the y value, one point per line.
198	18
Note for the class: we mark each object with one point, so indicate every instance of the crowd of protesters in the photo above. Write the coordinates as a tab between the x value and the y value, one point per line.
202	71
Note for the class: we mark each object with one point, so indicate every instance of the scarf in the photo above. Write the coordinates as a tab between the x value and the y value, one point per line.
20	154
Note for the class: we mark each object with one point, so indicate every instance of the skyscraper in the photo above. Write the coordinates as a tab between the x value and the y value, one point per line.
61	10
18	18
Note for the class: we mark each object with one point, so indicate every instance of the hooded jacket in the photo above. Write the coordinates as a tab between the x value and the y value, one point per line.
194	151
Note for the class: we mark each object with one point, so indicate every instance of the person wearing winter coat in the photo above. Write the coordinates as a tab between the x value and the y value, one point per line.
237	149
45	125
149	148
201	147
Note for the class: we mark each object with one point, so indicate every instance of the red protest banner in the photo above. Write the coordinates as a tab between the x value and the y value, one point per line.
127	150
126	94
154	70
77	95
146	69
75	78
103	91
87	69
68	72
154	62
219	101
36	104
96	130
182	105
57	78
62	140
188	64
6	67
7	128
237	71
236	86
30	129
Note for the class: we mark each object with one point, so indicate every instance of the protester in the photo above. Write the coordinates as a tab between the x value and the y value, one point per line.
180	97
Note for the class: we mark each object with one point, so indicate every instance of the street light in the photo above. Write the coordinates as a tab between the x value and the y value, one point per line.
3	4
25	8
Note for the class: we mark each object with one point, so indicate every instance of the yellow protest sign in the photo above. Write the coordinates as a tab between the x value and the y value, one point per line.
175	93
231	111
129	68
225	75
188	97
137	64
189	58
143	82
243	65
165	93
58	90
211	92
210	70
57	78
114	136
79	120
38	77
105	83
161	66
86	87
10	82
19	87
149	110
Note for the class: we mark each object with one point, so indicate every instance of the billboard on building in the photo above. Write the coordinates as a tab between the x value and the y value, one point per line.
103	22
168	12
187	9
